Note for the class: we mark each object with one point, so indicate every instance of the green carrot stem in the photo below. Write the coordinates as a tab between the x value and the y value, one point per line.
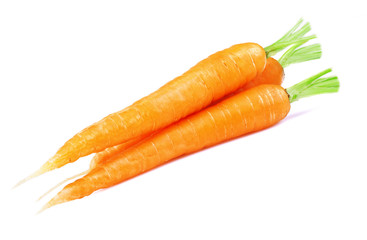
298	55
313	86
293	36
289	33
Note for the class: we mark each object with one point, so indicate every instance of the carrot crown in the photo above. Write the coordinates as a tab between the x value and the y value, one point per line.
313	86
294	36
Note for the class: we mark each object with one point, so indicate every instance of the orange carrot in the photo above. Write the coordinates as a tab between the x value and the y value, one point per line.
245	112
208	81
272	74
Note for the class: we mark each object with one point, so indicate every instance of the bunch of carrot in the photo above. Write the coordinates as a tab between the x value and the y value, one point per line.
232	92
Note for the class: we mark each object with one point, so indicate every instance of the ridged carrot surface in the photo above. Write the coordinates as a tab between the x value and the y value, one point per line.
211	79
272	74
248	111
245	112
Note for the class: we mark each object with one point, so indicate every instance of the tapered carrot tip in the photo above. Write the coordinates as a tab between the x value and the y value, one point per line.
48	166
61	197
49	204
46	206
61	183
33	175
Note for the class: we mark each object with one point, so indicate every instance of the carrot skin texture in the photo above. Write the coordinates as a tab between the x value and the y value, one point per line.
248	111
272	74
211	79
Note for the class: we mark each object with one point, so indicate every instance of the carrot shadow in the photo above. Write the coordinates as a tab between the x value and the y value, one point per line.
297	114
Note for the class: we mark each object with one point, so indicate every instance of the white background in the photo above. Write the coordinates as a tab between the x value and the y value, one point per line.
67	64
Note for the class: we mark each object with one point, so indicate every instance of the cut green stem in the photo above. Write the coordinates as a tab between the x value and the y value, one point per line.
293	36
313	86
295	54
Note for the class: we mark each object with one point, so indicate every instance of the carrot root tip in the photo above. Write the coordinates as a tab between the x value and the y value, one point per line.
26	179
46	206
62	182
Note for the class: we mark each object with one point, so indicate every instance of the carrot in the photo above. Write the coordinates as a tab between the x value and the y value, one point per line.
248	111
272	74
211	79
